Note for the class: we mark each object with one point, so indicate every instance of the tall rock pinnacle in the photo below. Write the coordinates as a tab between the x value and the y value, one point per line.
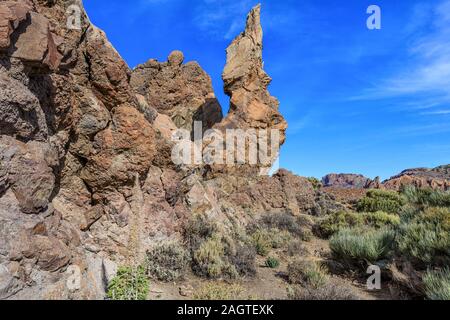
246	82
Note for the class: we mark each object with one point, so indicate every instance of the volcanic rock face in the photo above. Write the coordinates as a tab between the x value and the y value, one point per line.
181	91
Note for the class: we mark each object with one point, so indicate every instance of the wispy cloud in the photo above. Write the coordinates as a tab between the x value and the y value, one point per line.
437	112
426	71
215	16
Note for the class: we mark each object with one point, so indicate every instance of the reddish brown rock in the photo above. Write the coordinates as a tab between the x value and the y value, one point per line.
181	91
12	14
28	171
246	82
437	178
21	115
107	71
120	151
35	43
51	254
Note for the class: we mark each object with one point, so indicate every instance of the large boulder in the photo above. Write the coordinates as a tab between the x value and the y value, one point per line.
120	151
27	169
183	92
12	14
21	115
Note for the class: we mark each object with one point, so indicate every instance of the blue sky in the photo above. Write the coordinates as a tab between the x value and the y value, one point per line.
364	101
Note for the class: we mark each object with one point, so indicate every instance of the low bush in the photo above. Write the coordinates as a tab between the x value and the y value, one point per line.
297	248
244	260
328	292
381	200
426	238
338	221
437	284
197	230
348	219
210	260
130	283
381	219
282	222
426	197
220	291
307	273
264	240
362	244
272	263
167	262
316	183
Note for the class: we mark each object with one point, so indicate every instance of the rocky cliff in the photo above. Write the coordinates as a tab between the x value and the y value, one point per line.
86	177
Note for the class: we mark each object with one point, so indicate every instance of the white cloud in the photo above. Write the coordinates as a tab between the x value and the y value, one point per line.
215	16
426	72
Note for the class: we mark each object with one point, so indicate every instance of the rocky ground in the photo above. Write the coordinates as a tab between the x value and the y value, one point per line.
87	181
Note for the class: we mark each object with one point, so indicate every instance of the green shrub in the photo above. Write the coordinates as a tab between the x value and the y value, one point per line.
338	221
381	200
264	240
316	183
348	219
362	244
262	243
129	284
210	260
221	291
167	262
437	284
198	230
244	260
381	219
328	292
272	263
426	197
307	273
426	238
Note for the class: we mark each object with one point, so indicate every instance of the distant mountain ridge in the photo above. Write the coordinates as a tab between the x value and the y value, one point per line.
436	178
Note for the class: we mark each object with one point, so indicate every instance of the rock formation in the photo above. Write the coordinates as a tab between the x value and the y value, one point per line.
437	178
346	181
181	91
246	82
